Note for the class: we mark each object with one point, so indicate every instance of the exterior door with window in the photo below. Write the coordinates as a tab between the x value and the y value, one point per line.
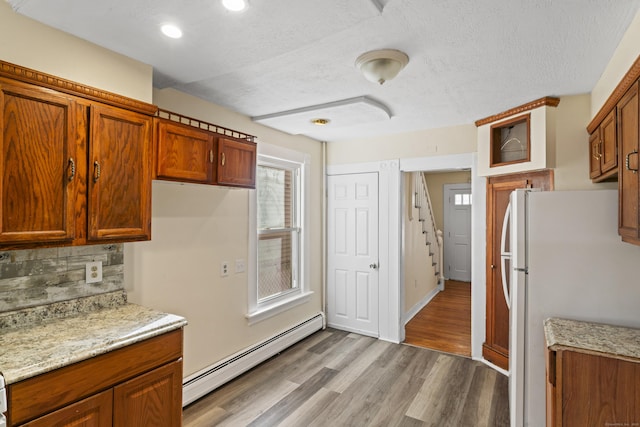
352	246
457	232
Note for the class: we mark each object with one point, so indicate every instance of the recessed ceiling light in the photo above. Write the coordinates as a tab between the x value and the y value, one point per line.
320	122
234	5
171	30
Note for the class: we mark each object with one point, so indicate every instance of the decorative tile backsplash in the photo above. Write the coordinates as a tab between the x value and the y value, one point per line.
41	276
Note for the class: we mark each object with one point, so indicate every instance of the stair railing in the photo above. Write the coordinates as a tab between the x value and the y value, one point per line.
433	236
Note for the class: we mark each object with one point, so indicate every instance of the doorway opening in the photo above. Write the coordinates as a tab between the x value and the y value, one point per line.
438	309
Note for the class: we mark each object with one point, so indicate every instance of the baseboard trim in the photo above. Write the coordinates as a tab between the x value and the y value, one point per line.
420	305
208	379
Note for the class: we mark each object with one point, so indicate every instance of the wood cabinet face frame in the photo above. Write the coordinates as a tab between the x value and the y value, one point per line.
511	141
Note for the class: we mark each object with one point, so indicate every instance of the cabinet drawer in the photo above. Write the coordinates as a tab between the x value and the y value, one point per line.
94	411
53	390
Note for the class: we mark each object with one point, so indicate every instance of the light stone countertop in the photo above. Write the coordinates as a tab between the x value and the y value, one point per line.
33	349
617	341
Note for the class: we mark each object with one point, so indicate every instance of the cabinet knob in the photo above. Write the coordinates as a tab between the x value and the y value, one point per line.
493	267
96	171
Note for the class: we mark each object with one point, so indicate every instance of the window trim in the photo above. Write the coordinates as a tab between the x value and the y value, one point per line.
257	311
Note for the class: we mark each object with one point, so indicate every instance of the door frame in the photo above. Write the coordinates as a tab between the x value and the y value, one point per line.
390	234
447	188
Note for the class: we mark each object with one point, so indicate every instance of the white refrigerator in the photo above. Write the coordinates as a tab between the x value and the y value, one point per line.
564	259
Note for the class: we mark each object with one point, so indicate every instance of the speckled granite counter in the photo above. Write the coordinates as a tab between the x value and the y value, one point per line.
52	340
616	341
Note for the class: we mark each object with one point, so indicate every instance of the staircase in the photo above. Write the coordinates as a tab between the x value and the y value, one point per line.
433	236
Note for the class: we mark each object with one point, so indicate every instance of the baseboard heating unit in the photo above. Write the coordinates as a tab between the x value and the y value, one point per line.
197	385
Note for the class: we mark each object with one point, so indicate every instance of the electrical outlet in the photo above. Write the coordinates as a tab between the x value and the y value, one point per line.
93	272
240	266
224	269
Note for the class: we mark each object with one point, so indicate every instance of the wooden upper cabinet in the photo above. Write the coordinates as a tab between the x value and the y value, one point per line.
184	153
604	149
628	178
38	165
236	163
119	201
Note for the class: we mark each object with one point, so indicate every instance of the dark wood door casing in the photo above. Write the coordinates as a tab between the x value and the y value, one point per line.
496	346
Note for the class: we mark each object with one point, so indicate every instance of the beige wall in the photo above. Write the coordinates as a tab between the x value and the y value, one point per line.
430	142
419	275
435	183
194	229
624	56
28	43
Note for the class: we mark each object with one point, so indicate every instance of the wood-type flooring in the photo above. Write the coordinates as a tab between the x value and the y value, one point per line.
445	323
336	378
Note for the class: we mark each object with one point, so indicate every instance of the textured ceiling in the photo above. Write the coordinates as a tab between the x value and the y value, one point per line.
468	58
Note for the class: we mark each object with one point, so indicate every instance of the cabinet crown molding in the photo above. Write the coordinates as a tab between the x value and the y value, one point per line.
547	100
625	84
49	81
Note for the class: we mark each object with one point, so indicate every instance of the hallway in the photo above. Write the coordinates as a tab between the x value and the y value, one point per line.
445	323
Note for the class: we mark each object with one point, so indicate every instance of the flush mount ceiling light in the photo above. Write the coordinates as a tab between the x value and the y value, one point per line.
234	5
171	30
378	66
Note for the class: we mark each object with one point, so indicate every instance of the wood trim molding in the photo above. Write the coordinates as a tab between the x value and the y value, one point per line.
547	100
28	75
627	81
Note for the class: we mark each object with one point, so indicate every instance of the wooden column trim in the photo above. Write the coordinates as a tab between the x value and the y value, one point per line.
28	75
627	81
547	100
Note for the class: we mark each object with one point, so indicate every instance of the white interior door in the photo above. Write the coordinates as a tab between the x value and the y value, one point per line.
457	232
352	246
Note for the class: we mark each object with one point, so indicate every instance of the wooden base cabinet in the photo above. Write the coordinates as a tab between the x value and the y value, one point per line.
138	385
585	389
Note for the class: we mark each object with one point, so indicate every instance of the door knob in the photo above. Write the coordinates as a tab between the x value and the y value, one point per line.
493	266
373	266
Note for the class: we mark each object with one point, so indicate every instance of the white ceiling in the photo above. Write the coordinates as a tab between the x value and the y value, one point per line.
468	58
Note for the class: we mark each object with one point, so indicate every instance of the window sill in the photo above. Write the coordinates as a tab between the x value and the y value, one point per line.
275	308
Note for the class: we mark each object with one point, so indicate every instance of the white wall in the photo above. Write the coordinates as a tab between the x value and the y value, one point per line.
624	56
30	44
195	228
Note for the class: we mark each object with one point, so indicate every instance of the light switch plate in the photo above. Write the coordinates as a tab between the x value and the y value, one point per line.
94	272
240	266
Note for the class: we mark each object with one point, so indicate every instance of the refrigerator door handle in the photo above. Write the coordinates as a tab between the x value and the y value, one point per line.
505	255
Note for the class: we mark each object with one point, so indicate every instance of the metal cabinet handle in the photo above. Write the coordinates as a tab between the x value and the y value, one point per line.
626	162
96	171
72	167
600	150
210	156
222	159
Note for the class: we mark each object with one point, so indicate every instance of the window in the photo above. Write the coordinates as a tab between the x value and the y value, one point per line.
463	199
277	186
278	210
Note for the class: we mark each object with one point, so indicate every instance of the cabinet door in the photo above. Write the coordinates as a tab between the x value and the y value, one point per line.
184	152
628	184
38	164
94	411
150	400
598	391
119	202
608	144
237	163
594	154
